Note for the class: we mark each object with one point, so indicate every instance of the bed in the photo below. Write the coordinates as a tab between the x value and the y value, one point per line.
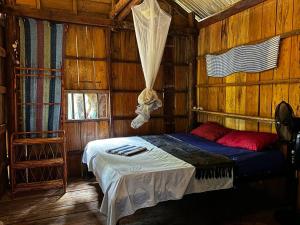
153	176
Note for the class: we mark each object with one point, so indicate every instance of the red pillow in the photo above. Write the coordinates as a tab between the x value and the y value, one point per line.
254	141
211	131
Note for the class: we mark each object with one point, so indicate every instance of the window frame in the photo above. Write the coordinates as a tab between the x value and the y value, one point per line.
98	92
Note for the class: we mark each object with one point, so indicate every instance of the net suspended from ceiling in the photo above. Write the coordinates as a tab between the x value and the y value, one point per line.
151	26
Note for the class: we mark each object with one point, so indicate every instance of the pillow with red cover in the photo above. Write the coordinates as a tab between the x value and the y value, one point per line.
211	131
254	141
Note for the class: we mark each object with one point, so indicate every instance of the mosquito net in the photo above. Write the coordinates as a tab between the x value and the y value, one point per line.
151	25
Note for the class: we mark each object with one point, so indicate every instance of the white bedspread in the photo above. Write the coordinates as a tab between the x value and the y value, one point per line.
142	180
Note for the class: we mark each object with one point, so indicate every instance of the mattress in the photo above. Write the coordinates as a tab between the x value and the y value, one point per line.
248	164
142	180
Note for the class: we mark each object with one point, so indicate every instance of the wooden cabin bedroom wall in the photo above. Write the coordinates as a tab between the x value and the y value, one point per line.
114	67
104	58
253	94
3	122
85	70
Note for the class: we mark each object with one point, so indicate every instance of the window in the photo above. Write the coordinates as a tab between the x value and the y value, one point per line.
87	105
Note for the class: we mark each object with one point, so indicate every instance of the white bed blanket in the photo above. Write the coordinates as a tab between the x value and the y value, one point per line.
142	180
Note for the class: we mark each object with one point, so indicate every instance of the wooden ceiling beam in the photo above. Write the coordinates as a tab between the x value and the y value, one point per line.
118	8
57	15
234	9
127	10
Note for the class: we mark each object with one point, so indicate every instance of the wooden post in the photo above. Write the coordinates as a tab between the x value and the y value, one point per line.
169	87
192	73
3	122
11	37
109	77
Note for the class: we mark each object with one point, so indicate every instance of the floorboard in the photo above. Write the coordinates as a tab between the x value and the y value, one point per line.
80	206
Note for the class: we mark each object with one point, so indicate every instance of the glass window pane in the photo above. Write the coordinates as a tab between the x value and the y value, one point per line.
70	106
103	108
78	106
91	106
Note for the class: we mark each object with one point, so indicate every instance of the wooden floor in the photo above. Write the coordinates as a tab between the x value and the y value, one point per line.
80	205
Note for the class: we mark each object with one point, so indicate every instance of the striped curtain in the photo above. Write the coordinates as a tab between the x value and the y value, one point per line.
40	47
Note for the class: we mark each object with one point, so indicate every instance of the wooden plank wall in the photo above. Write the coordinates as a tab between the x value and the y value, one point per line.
128	82
232	94
3	121
85	68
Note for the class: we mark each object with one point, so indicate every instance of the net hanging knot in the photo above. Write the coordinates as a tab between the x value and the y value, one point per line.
148	102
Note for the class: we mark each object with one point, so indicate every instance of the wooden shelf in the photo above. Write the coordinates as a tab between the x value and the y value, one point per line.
38	163
32	141
44	185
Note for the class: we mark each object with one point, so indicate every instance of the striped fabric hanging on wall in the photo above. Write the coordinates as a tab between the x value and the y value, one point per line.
40	47
245	58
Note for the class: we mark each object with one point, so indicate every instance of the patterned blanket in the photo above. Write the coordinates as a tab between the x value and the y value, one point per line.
208	165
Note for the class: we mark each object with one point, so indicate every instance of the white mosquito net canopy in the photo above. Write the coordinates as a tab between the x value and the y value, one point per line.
151	26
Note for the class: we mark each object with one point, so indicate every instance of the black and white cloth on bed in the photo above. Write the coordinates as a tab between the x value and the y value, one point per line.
156	175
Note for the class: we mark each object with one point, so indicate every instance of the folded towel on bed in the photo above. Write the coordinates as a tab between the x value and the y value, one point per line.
126	150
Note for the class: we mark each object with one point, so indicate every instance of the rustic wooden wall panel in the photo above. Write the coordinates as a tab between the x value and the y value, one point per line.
90	41
97	7
3	112
181	77
295	57
92	130
74	164
128	79
255	22
3	174
92	6
85	67
284	16
2	109
129	76
124	104
84	74
124	46
262	21
26	2
294	90
123	128
54	4
73	136
181	125
180	104
296	15
269	18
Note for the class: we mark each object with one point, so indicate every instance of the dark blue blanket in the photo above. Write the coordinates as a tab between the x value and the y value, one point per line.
207	164
248	163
